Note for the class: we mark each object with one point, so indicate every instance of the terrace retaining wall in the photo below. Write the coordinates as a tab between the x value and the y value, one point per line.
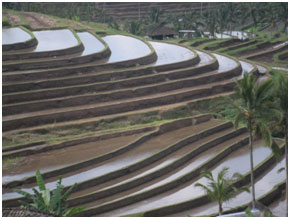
118	95
112	77
21	45
105	53
133	199
149	177
197	202
34	55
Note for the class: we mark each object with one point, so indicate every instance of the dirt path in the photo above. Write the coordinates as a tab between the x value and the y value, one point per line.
37	20
13	19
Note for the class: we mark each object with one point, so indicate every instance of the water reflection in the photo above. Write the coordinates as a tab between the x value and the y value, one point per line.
91	43
125	48
169	53
49	40
14	35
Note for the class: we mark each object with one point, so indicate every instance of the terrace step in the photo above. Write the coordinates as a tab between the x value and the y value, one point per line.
133	81
183	127
268	179
163	189
75	78
99	97
94	121
230	48
260	47
45	49
110	108
133	104
130	60
267	56
17	38
89	40
204	206
168	169
186	190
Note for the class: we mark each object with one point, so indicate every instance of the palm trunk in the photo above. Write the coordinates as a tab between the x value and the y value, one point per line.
252	166
220	208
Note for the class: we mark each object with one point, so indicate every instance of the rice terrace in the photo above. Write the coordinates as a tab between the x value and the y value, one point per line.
148	109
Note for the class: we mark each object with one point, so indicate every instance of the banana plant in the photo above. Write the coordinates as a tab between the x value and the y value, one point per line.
51	202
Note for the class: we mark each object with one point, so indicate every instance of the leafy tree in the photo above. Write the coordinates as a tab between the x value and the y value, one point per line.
52	202
221	189
257	109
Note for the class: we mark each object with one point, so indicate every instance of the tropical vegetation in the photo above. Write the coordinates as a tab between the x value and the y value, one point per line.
222	188
257	110
51	202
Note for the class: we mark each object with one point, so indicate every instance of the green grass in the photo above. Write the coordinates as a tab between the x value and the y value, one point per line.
5	21
8	162
55	135
279	61
220	107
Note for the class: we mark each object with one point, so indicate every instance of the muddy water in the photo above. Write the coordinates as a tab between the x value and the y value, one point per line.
125	48
262	186
189	192
169	53
176	173
14	35
143	151
49	40
91	43
59	158
161	164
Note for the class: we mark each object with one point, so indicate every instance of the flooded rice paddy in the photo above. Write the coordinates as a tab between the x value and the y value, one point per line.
141	152
51	160
170	53
125	48
91	43
189	192
262	185
14	35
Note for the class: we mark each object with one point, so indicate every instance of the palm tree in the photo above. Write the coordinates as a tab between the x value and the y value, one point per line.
234	13
222	189
210	21
283	14
222	19
281	95
256	109
134	27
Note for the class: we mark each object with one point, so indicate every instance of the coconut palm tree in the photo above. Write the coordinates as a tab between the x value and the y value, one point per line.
210	21
221	189
222	20
234	14
281	96
256	109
